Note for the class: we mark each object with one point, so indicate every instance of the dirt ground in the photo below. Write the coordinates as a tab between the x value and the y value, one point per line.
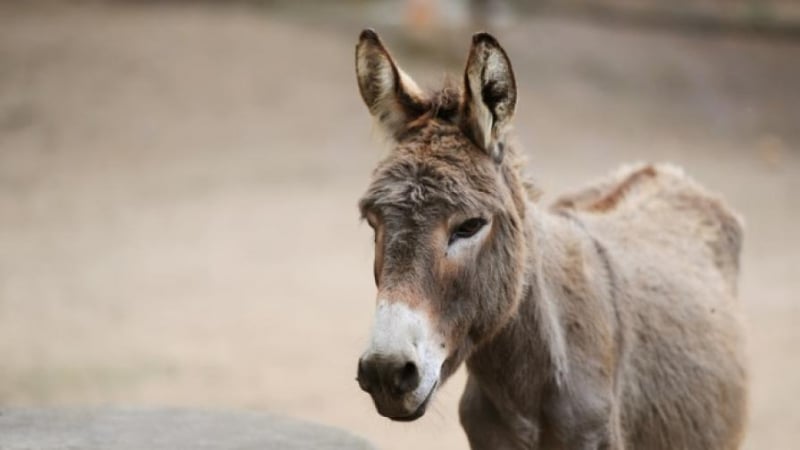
178	188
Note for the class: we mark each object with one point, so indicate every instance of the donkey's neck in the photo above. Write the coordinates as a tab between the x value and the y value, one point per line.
527	358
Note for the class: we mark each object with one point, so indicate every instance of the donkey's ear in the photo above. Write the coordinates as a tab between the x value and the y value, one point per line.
391	96
490	94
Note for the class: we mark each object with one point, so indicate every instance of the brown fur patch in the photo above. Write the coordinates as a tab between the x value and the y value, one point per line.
610	200
605	198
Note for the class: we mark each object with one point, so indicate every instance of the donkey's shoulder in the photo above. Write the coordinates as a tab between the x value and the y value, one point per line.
663	197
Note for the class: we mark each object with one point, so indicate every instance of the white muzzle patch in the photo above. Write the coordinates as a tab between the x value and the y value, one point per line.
402	333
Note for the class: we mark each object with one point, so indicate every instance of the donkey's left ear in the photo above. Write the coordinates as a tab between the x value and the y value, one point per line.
490	94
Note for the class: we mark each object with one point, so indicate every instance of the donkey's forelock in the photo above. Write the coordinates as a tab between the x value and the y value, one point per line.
442	105
437	171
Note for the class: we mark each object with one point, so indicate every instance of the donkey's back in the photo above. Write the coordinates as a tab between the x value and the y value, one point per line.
675	248
660	207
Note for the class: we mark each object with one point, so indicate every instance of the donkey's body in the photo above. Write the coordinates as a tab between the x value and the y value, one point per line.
637	274
607	321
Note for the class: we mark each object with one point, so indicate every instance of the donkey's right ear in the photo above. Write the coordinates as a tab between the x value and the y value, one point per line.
391	96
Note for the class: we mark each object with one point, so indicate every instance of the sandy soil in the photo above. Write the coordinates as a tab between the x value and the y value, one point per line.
178	189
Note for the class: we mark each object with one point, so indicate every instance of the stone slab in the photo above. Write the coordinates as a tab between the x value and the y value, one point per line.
164	429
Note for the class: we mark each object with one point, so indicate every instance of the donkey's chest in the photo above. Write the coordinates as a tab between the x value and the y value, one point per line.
496	417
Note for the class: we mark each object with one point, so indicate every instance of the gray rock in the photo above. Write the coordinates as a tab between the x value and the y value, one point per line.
164	429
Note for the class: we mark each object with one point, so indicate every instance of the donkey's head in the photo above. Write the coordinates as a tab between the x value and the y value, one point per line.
447	209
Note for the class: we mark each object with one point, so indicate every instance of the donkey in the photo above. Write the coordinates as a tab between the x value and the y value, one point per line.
607	320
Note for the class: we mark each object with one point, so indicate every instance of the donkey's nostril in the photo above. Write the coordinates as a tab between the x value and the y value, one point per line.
406	378
363	377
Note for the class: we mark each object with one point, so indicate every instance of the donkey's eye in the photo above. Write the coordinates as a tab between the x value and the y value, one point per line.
467	229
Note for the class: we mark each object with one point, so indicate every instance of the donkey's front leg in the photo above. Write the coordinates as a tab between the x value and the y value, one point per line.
488	429
591	424
596	440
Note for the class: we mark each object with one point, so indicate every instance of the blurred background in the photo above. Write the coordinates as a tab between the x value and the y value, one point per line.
178	184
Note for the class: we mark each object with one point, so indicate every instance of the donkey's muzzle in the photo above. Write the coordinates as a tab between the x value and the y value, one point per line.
400	368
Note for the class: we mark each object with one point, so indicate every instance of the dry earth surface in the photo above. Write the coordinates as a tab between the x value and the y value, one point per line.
178	188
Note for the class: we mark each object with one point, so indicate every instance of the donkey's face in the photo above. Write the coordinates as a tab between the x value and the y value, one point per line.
446	208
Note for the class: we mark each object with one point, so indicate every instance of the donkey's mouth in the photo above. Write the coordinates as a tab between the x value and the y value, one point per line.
420	411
